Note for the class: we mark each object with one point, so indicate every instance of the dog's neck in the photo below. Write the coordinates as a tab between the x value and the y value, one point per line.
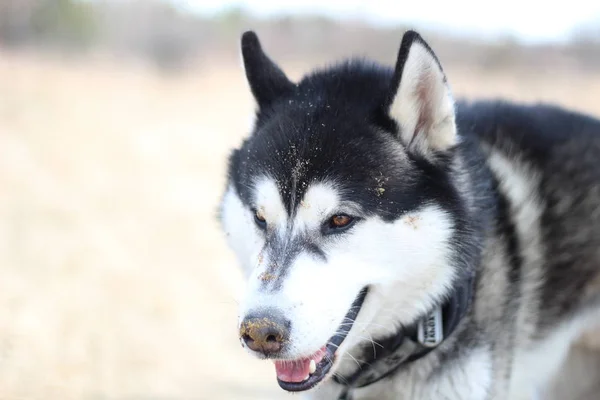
411	342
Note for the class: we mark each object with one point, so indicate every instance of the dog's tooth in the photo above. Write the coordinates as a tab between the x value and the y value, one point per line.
313	366
305	379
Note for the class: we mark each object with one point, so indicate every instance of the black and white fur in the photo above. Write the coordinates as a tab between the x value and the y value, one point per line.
437	189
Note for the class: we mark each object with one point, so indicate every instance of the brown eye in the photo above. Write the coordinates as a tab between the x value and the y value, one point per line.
260	219
340	221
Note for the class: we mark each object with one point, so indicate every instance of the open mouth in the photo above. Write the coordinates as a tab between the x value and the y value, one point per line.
303	374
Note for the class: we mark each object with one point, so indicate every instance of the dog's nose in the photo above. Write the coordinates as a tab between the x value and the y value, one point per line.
265	332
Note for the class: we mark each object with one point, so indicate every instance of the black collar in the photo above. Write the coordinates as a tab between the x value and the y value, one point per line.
411	342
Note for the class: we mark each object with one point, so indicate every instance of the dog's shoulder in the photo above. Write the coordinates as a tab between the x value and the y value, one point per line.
546	160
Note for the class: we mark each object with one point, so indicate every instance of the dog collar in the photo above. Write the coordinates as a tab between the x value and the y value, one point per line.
410	343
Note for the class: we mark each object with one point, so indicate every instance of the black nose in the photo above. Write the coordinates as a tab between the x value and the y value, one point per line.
266	331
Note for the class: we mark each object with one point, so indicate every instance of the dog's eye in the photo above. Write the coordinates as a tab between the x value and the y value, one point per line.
340	222
260	220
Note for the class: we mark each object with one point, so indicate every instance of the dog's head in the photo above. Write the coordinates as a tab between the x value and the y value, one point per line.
342	206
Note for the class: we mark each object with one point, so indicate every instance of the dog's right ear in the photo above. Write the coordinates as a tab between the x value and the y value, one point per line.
267	81
420	100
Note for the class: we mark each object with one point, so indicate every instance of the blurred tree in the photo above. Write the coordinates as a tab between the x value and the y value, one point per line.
15	21
502	54
231	19
169	37
152	29
60	23
68	23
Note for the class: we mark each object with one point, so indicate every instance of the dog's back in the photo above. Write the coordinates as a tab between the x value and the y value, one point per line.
557	153
545	165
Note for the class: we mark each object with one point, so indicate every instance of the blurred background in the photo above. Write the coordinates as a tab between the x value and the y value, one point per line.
116	118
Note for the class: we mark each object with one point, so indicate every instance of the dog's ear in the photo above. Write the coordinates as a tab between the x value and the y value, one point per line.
419	99
267	81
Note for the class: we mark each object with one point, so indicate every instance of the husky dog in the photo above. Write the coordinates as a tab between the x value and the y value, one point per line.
399	244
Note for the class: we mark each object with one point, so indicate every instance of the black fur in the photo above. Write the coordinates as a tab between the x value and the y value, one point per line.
334	126
283	253
267	82
563	148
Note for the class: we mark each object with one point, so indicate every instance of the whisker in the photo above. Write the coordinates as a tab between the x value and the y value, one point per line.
371	341
355	360
341	378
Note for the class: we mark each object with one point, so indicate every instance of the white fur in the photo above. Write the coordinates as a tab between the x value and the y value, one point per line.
469	380
240	232
424	96
320	201
537	365
268	201
535	362
519	182
406	272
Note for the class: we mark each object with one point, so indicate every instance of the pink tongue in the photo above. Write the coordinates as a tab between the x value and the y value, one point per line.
297	370
292	371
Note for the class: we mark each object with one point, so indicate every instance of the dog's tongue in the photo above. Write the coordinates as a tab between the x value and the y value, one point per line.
292	371
297	370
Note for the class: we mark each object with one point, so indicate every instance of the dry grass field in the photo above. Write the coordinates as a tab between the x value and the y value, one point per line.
115	282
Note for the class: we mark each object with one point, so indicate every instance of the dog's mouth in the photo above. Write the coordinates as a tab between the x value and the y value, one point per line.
305	373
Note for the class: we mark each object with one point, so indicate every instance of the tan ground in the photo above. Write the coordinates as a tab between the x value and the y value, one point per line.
114	279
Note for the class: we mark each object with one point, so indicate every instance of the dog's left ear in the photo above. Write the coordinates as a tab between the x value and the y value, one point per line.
267	81
419	99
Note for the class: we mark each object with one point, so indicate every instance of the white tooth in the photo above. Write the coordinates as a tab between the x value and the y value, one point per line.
313	366
305	379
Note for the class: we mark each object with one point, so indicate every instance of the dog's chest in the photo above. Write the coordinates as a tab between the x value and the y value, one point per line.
467	378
